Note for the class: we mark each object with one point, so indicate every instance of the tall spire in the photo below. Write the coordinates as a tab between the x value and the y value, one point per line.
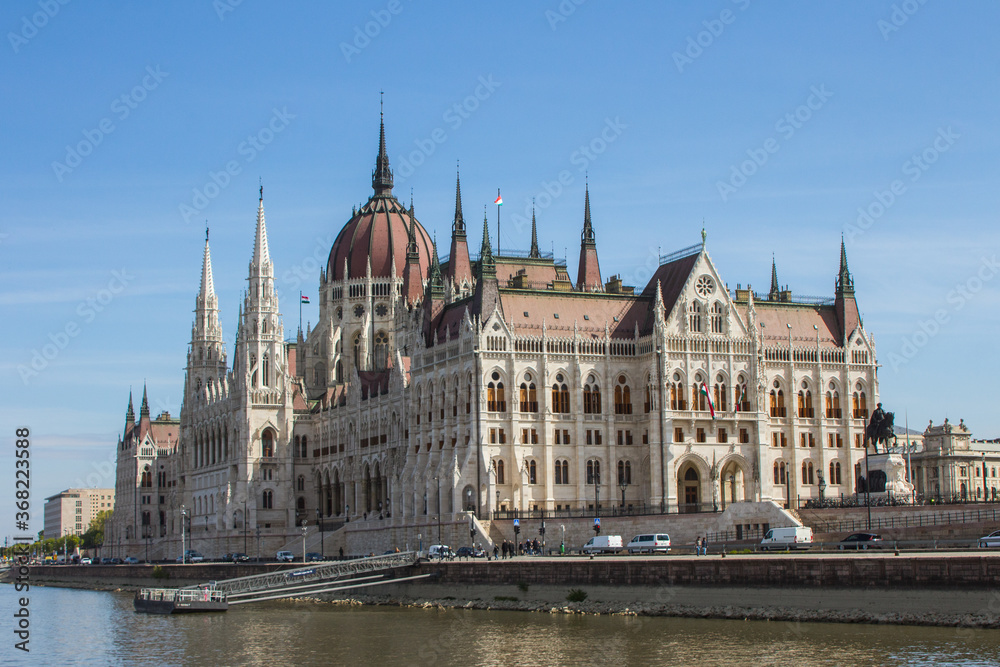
486	262
845	283
588	277
207	284
775	291
144	409
130	413
412	280
261	254
535	253
458	224
382	176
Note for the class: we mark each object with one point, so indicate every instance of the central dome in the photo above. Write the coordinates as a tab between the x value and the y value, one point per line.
378	233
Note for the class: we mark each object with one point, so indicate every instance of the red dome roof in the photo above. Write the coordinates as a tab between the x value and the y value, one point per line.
378	232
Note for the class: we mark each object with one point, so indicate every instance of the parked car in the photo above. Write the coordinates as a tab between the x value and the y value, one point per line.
990	541
85	561
238	557
284	557
441	551
603	544
861	541
191	556
131	560
470	552
792	537
653	543
106	560
116	561
314	556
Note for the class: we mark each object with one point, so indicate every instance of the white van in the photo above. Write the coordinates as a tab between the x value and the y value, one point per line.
794	537
603	544
651	543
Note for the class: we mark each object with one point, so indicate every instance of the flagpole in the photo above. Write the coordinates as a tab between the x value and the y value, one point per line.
300	311
499	201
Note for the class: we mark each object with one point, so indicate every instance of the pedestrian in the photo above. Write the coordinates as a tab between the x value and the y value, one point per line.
697	546
704	546
496	551
341	553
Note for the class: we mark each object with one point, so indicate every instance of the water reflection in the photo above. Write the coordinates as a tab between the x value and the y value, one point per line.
95	628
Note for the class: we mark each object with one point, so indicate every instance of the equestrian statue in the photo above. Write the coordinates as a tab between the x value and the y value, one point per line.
880	429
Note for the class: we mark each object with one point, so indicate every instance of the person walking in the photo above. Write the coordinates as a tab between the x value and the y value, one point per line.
704	546
697	546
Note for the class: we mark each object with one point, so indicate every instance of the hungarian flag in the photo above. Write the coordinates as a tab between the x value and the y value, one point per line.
708	397
303	298
499	200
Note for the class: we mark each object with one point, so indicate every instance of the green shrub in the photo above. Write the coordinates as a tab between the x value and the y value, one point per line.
576	595
160	573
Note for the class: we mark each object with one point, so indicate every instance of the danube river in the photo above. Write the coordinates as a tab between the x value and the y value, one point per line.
78	627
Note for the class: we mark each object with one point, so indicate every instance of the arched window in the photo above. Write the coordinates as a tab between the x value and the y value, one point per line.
357	351
147	478
720	394
779	472
835	472
529	397
560	396
267	499
381	350
253	372
698	400
562	472
495	400
717	318
500	472
832	405
777	403
305	446
532	473
624	472
592	397
647	404
623	397
694	317
265	375
807	473
339	371
593	471
267	444
677	400
301	483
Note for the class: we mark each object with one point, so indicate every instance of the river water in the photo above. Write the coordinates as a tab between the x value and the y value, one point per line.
77	627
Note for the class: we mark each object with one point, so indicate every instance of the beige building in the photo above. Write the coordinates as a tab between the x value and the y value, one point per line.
70	512
951	465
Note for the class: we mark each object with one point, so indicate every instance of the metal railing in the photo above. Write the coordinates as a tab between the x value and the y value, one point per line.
319	572
909	520
611	509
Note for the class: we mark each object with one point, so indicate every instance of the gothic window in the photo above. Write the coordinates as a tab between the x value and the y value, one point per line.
623	397
807	472
267	499
301	483
694	317
717	318
779	472
832	405
777	403
267	444
197	386
359	310
495	398
340	313
720	394
500	472
593	471
592	397
560	397
305	446
624	472
339	371
381	350
528	396
532	473
835	472
357	350
647	404
253	373
704	285
381	310
320	375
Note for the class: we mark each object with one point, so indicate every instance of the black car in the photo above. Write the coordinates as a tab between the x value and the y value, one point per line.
861	541
469	552
237	557
314	556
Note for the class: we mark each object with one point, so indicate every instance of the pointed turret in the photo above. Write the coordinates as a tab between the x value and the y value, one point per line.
207	284
144	408
412	279
144	421
775	291
487	264
433	299
207	353
459	266
129	415
844	302
535	252
261	254
589	272
382	176
487	294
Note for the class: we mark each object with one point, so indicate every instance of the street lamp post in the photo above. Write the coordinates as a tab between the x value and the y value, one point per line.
597	493
258	544
245	527
322	537
822	489
183	522
985	497
562	541
145	536
304	531
437	483
622	484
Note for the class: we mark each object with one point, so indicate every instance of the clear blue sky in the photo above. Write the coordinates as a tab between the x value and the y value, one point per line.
114	115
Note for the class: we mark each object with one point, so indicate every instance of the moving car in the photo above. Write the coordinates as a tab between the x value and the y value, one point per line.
991	540
284	557
793	537
314	556
658	542
191	556
603	544
85	561
470	552
440	551
131	560
861	541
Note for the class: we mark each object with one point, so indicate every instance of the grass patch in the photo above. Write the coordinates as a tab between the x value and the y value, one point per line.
160	573
576	595
506	598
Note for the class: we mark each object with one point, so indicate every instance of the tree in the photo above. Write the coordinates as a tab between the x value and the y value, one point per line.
94	534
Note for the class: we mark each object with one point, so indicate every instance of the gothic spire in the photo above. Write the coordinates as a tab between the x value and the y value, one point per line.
588	228
775	291
588	277
845	283
458	225
144	409
435	277
207	284
130	413
535	253
486	261
261	255
382	176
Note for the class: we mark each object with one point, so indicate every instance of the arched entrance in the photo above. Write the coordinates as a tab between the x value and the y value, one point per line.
731	484
690	489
